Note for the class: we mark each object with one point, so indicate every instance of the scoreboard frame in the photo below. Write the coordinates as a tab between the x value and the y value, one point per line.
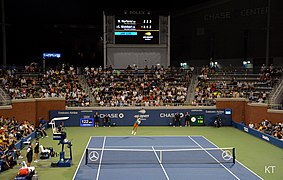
133	29
197	120
86	122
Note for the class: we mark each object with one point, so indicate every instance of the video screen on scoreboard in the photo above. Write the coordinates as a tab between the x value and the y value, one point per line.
197	120
143	29
86	122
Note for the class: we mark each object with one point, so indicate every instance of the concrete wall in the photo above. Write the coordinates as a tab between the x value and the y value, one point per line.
32	109
247	112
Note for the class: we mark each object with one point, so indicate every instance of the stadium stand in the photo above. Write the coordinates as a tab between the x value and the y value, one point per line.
235	83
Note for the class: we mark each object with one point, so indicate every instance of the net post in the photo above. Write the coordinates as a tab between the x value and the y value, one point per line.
234	155
86	156
160	159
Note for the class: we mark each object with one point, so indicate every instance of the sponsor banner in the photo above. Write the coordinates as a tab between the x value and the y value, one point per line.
149	117
261	135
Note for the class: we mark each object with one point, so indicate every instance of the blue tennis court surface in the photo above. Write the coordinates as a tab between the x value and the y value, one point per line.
158	157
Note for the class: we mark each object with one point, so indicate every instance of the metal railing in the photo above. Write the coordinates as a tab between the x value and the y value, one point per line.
275	106
4	98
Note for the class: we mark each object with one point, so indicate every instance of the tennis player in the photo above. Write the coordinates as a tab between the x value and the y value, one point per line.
136	125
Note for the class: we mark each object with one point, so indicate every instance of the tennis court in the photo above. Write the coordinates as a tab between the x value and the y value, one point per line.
159	157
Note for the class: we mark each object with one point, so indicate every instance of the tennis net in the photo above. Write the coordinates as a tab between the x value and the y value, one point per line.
162	156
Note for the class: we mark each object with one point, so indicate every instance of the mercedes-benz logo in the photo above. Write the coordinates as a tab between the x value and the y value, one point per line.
93	156
227	155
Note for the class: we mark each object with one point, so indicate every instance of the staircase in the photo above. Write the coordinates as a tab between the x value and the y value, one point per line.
276	96
4	98
86	87
191	89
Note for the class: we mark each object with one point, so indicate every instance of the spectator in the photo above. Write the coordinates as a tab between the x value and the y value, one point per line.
4	158
60	127
29	155
14	152
187	119
42	121
107	121
177	120
217	121
36	150
251	125
96	119
41	130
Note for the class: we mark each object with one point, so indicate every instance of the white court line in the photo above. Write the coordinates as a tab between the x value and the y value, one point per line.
101	155
149	146
152	136
81	159
236	159
215	159
165	173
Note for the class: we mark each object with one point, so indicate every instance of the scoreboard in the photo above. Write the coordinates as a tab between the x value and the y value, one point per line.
86	122
197	120
133	29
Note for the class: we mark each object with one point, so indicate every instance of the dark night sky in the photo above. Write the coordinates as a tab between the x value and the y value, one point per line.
72	27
